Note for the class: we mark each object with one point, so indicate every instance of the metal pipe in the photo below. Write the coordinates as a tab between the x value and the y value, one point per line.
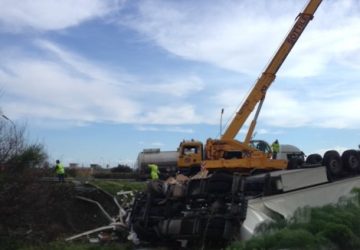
99	205
111	226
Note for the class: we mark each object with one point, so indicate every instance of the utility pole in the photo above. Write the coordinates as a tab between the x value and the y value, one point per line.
221	116
7	118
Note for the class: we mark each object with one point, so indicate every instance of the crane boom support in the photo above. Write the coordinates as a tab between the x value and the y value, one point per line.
263	83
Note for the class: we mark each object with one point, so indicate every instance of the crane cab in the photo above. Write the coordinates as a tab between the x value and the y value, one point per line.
190	155
262	146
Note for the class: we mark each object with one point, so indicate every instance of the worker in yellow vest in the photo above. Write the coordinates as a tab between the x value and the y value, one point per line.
275	148
154	171
60	171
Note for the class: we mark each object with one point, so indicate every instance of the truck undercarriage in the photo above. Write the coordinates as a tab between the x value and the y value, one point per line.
211	208
201	210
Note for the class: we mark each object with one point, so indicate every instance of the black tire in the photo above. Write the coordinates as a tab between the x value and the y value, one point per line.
351	160
333	163
314	159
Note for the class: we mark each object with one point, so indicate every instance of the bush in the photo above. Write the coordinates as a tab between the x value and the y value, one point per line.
16	155
122	169
327	227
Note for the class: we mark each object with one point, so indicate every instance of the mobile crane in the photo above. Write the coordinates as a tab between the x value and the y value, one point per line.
212	209
229	153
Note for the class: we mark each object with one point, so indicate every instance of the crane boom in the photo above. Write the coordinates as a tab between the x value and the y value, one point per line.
229	153
258	92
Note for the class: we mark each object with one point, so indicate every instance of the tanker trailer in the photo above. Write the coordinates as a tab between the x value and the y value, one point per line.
166	161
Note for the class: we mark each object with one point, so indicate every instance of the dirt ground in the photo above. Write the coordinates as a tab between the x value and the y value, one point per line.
42	211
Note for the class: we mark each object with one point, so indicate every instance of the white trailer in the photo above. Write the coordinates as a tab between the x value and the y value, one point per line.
264	209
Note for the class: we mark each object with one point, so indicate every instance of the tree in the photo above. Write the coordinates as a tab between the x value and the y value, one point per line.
11	141
122	169
15	153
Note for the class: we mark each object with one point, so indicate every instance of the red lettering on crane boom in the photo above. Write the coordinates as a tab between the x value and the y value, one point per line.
298	28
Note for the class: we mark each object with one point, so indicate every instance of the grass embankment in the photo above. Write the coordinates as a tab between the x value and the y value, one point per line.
114	186
329	227
38	215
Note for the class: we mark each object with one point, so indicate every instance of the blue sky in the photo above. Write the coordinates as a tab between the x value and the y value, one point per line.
97	81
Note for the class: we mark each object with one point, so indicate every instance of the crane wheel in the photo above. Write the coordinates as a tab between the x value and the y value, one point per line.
332	161
351	160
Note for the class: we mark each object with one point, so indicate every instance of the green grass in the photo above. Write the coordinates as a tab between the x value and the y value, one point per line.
114	186
329	227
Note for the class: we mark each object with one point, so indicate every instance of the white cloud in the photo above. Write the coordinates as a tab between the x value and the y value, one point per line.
176	87
45	15
288	109
243	37
244	34
331	106
60	84
340	114
48	90
169	86
64	86
223	41
284	109
176	129
172	114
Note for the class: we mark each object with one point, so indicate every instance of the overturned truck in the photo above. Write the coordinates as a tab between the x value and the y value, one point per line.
212	207
193	210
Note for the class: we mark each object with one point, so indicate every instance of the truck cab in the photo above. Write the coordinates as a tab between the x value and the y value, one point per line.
191	154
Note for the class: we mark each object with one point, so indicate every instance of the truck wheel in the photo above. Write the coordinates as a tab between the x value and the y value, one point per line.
314	159
351	160
333	163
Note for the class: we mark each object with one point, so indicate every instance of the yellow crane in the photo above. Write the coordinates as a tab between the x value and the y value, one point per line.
229	153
